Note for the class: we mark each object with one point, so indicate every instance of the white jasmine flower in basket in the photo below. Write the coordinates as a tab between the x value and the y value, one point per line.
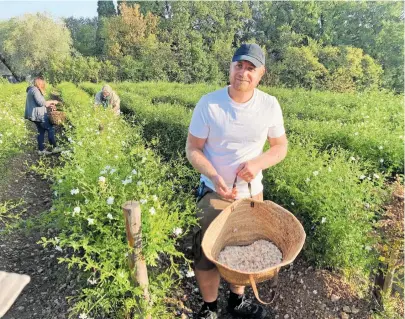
177	231
110	200
74	191
101	179
152	211
109	216
91	221
190	274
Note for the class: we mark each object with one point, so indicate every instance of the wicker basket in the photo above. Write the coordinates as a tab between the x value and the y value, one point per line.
56	117
246	221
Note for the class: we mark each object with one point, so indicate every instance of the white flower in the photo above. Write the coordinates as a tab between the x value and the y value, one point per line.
59	181
308	180
356	133
74	191
139	183
155	198
55	193
58	248
83	316
112	171
362	176
76	210
152	211
70	140
143	201
323	220
143	159
329	169
80	143
90	220
101	179
177	231
381	160
292	203
376	176
353	158
56	240
115	156
190	273
134	172
340	179
380	147
107	167
110	200
368	248
92	281
109	216
103	172
86	201
127	181
315	173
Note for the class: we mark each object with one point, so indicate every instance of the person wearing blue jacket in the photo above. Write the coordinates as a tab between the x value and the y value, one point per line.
36	111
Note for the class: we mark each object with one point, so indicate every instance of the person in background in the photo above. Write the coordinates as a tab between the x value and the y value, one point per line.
36	110
108	98
227	133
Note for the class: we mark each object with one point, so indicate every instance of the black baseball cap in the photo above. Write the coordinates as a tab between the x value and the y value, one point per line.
250	52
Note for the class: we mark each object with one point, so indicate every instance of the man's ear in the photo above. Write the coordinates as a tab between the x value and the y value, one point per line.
263	70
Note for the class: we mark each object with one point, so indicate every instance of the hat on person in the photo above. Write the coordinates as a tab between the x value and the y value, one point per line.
250	52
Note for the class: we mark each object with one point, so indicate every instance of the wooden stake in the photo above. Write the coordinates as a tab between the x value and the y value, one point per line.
132	216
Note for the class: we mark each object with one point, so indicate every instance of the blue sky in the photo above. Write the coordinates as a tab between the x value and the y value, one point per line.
57	8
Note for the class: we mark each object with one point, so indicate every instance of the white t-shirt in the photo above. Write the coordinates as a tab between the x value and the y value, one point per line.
235	133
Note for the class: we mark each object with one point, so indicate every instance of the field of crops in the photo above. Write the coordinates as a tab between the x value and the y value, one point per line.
344	152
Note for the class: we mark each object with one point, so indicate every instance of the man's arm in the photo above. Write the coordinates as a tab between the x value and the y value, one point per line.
276	153
116	105
195	155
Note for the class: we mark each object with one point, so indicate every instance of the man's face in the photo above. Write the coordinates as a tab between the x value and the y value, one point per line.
244	76
105	94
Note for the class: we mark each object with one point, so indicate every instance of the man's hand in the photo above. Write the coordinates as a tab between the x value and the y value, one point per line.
222	189
248	170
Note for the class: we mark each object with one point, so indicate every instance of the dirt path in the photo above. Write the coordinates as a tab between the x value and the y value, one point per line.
44	296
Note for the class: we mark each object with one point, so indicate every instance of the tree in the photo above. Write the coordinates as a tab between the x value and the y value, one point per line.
31	42
83	31
105	10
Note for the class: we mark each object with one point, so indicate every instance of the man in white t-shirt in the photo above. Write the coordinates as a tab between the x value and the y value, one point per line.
227	133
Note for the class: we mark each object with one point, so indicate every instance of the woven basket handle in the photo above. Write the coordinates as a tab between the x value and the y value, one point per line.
249	186
253	283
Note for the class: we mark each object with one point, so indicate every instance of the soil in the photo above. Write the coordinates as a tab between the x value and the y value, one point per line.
304	292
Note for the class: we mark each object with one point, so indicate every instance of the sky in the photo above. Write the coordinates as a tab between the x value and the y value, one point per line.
57	8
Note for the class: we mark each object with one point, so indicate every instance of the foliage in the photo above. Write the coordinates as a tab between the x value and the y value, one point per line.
30	42
102	169
83	31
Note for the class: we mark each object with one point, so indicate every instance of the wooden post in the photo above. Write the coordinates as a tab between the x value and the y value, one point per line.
139	272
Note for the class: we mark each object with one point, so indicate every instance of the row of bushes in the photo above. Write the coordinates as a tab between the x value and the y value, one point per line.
13	132
105	164
325	189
